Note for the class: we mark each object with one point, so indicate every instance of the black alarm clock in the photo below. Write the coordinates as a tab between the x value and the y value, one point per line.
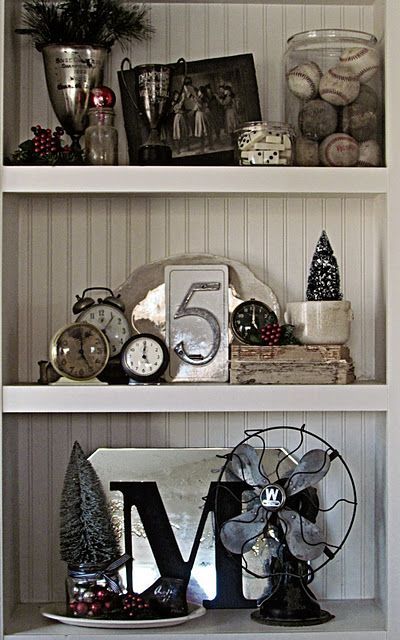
144	358
248	318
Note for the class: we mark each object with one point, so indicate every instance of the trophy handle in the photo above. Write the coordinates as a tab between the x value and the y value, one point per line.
128	91
177	63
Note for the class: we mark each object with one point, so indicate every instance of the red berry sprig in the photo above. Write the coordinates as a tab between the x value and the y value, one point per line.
271	334
47	142
134	606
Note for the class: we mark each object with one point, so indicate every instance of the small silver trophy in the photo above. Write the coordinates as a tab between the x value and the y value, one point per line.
153	89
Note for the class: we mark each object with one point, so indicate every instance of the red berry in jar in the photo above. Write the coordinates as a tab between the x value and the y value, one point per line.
96	608
81	608
101	594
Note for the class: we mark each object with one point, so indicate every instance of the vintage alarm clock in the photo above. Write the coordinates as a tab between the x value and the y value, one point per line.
248	318
79	351
107	314
144	358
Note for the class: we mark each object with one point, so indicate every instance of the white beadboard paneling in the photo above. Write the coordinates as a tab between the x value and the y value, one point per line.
68	244
45	444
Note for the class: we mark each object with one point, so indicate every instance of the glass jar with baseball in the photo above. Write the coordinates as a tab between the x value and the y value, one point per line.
333	98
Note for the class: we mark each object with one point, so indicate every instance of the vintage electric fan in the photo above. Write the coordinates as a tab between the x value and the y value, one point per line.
281	513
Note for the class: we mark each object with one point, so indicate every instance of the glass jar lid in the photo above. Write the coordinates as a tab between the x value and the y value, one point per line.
320	36
262	124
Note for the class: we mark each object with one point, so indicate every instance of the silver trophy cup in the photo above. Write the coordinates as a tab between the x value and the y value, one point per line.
153	97
153	82
71	72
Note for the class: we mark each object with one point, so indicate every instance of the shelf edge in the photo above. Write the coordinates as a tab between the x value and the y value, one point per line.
196	398
209	180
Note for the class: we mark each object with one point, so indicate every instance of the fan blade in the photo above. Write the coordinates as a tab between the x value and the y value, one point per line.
304	538
239	534
313	466
245	465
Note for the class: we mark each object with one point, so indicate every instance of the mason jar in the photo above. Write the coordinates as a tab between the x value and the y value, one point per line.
264	144
333	98
101	138
92	592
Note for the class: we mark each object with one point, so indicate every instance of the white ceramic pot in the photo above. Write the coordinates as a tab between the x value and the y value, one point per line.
320	321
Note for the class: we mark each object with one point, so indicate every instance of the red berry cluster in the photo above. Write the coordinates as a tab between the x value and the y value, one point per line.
271	334
47	142
98	602
134	606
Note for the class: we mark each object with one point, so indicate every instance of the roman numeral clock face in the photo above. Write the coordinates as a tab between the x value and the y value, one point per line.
144	358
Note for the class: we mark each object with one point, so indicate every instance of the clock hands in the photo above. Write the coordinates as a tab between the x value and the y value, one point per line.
108	323
253	318
82	351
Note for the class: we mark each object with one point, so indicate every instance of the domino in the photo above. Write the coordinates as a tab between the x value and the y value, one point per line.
267	146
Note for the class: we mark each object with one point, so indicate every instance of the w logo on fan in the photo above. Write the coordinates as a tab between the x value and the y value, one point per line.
272	497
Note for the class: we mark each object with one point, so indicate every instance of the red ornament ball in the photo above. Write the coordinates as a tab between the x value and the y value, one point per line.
96	608
101	594
81	608
101	97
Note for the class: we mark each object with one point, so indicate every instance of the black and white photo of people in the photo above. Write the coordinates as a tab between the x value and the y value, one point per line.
205	111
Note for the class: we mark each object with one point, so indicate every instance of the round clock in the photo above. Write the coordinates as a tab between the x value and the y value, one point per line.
144	358
248	318
107	315
79	351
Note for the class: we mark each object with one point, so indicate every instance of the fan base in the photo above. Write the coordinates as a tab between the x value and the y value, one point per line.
324	616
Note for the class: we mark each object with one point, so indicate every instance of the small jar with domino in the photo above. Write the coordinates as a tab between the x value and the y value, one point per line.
264	144
333	98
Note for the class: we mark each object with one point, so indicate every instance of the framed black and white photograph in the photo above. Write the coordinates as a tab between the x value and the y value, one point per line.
207	104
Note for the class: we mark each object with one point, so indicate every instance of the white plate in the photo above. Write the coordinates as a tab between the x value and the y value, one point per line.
55	612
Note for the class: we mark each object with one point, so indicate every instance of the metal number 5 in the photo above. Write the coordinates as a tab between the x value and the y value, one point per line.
184	310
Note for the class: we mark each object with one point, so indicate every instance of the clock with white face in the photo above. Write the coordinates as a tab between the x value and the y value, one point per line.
144	358
111	321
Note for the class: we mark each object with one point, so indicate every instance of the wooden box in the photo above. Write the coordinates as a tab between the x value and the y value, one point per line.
291	364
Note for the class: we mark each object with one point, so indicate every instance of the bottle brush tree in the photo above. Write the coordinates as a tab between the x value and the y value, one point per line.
86	532
323	279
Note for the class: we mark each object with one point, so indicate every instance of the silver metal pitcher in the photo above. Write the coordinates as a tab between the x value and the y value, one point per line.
71	72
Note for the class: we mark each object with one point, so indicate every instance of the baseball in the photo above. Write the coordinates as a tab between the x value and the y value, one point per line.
339	86
358	122
368	98
307	152
370	154
318	119
339	150
303	80
361	61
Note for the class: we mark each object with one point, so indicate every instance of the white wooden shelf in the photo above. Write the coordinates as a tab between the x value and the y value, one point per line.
127	179
193	398
355	620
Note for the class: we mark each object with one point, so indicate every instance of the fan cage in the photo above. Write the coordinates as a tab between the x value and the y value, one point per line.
331	451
